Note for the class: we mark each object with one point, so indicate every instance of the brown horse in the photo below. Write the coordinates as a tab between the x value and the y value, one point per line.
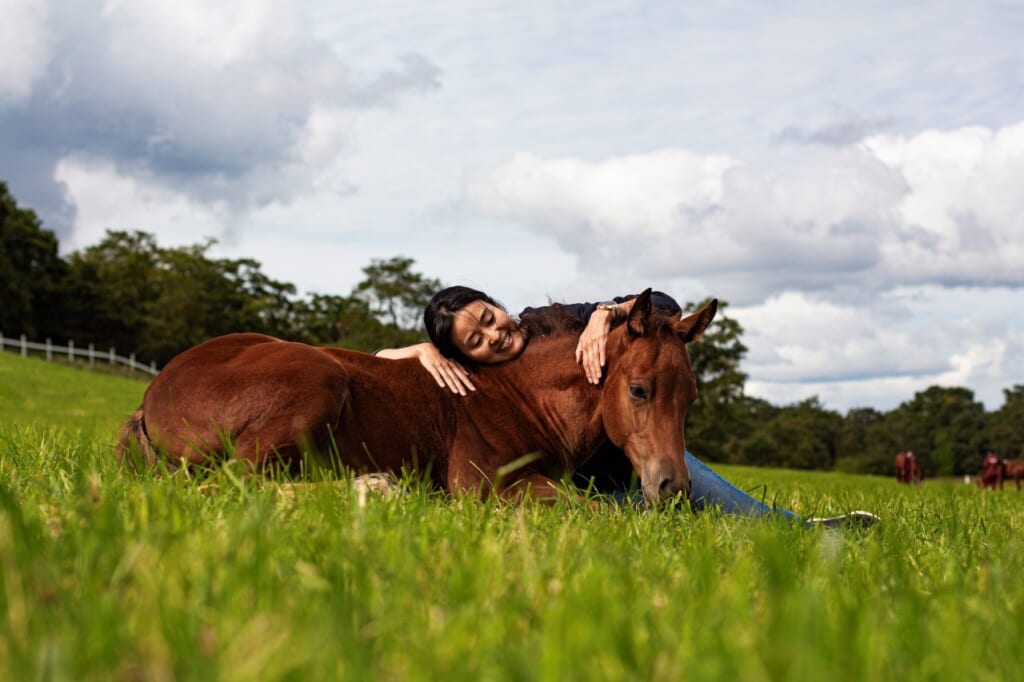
992	471
530	421
1012	468
908	470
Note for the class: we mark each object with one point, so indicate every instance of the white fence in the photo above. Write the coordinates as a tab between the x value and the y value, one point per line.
70	352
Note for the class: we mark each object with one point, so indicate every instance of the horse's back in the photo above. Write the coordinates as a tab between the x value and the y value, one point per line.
247	395
258	398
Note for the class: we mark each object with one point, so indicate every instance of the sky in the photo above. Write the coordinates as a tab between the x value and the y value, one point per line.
848	177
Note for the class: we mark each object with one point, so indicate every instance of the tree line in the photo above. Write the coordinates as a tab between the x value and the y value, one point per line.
130	293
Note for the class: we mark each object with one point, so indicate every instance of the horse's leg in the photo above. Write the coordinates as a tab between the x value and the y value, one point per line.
535	486
294	424
607	471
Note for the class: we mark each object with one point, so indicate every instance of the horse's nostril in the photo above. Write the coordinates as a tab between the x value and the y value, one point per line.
667	487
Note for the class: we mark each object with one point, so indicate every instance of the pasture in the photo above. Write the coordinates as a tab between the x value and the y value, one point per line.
112	575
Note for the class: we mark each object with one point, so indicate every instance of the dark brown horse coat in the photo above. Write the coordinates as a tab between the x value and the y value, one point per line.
266	401
908	469
992	472
1012	468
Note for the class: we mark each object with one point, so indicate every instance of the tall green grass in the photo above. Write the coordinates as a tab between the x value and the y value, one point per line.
33	391
112	575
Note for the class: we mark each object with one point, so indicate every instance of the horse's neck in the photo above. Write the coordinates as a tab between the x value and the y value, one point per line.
550	391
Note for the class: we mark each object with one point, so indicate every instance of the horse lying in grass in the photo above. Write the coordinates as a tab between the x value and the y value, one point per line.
529	423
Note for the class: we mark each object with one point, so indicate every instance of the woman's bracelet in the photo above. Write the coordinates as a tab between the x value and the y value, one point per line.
612	307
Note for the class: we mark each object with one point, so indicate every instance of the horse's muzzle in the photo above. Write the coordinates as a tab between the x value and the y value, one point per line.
661	480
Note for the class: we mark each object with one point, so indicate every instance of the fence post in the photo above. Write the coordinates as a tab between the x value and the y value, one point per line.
111	356
1	340
152	366
24	347
49	350
92	356
71	351
131	362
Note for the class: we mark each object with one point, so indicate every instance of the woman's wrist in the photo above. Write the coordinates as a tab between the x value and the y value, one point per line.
611	308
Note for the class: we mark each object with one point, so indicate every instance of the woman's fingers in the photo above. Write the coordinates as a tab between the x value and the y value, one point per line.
590	351
591	354
453	376
447	373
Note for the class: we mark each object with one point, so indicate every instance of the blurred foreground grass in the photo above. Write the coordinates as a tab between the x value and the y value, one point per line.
110	575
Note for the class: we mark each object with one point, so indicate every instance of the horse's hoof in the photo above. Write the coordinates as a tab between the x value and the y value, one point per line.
379	484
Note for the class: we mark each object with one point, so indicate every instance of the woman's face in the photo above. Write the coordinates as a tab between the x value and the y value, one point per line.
486	334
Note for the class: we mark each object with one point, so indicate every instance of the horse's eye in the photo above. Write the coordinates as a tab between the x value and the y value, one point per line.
637	391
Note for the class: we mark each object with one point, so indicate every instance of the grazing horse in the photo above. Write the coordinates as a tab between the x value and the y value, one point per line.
992	471
265	401
908	470
1013	468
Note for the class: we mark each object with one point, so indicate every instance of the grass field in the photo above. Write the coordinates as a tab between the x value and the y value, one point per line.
109	575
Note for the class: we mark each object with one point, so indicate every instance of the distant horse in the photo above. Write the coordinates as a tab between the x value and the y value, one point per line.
993	470
908	470
1013	468
265	401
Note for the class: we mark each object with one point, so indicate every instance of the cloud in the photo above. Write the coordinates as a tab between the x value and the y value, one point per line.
235	102
106	199
939	207
880	353
26	46
835	134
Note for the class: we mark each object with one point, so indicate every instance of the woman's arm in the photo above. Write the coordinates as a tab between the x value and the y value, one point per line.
446	372
661	301
590	351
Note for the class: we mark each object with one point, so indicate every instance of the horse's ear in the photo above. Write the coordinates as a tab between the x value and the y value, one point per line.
692	327
640	314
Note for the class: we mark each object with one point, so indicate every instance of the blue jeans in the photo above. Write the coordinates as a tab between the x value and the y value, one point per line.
708	489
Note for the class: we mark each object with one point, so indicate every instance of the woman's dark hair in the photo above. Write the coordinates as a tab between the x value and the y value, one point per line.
439	315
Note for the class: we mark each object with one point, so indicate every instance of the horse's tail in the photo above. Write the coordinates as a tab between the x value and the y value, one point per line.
134	447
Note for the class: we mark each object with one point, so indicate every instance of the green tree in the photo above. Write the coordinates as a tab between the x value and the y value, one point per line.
945	427
856	449
395	293
348	322
110	288
715	420
200	297
801	436
1006	425
32	274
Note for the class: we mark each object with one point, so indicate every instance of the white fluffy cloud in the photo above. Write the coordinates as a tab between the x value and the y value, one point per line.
107	199
24	46
236	103
937	207
881	353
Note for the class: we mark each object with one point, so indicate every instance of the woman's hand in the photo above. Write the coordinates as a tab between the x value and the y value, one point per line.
446	372
590	351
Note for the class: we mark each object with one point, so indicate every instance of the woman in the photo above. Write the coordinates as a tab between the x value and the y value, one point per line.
467	328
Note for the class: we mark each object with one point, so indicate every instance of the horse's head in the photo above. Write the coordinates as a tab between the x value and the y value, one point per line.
648	387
